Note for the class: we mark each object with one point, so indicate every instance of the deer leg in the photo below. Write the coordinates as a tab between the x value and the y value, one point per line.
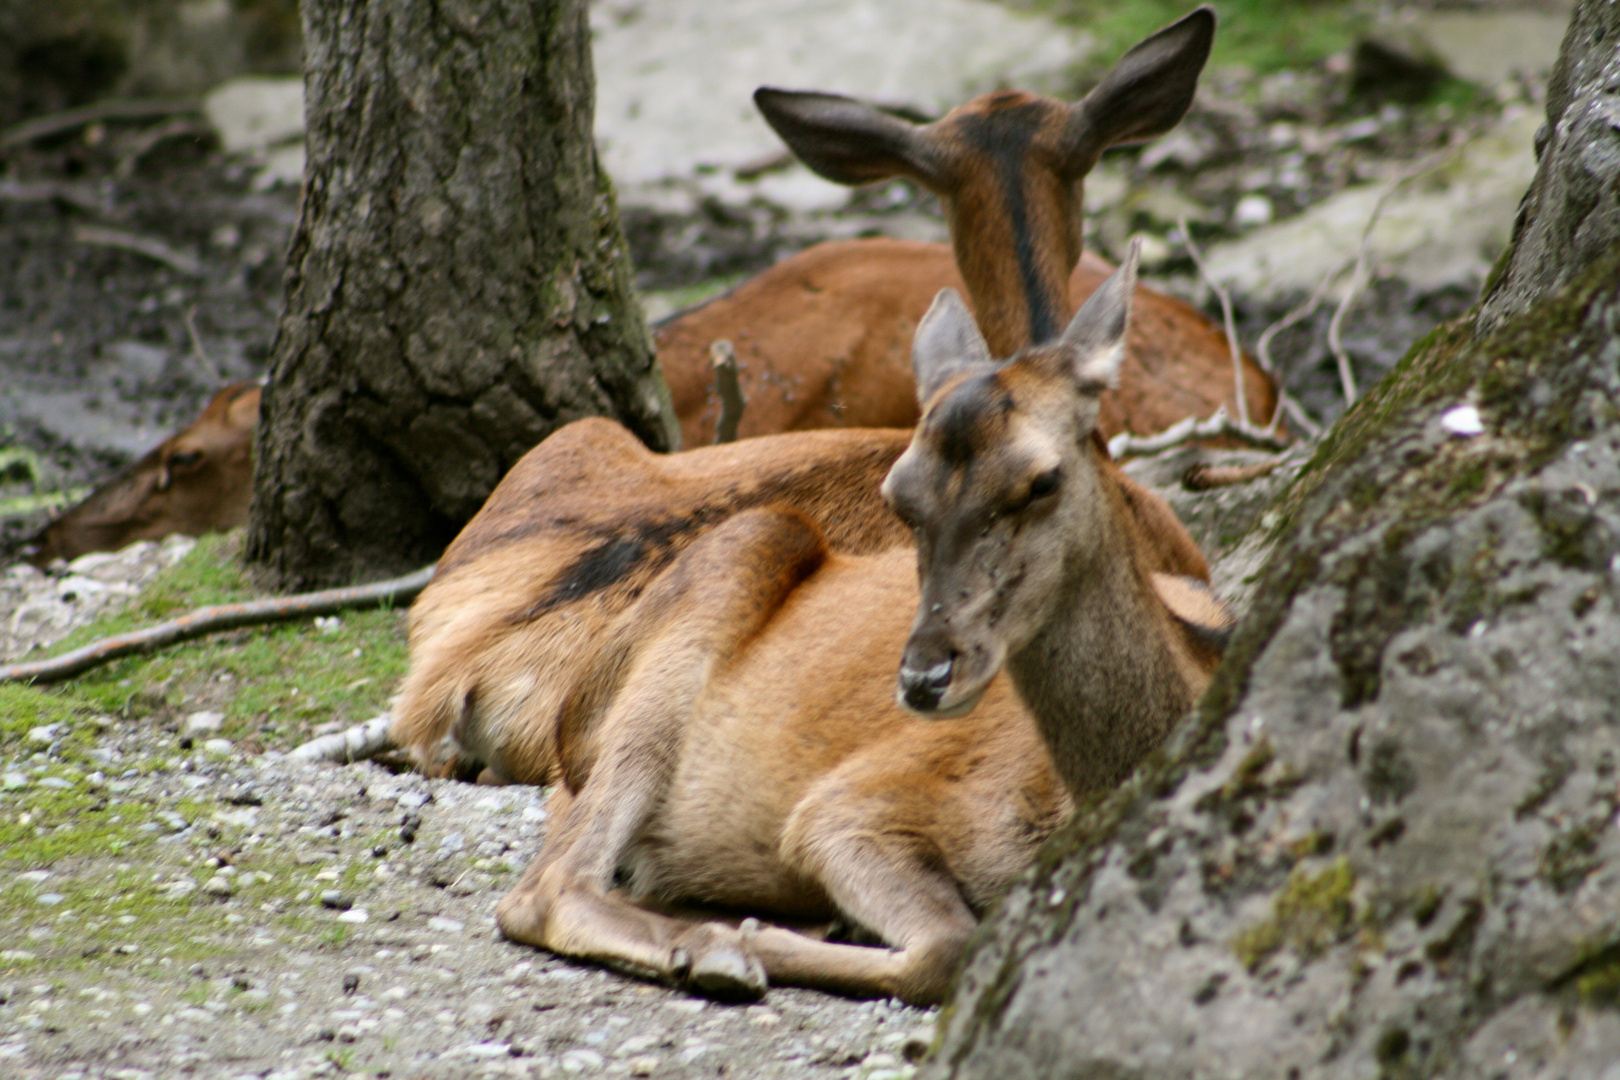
713	598
889	884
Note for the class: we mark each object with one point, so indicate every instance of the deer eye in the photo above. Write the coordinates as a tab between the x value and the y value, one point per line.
185	459
1044	484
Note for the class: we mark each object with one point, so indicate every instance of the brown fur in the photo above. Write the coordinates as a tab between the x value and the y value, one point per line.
699	650
823	339
196	481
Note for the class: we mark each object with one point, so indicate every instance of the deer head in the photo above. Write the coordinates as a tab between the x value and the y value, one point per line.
1008	167
1001	485
196	481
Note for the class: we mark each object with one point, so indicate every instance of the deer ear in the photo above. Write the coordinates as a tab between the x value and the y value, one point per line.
947	341
848	141
1147	92
1093	346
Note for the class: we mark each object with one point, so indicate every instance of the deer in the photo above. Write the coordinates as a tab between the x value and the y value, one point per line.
589	520
823	336
739	738
196	481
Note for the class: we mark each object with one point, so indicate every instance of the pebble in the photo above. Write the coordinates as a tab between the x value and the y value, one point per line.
354	915
200	723
575	1062
332	898
44	734
644	1065
1251	211
220	747
218	885
446	926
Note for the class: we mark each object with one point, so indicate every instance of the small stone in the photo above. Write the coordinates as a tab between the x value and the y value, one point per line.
1463	421
220	747
12	781
575	1062
916	1044
332	898
644	1065
446	926
765	1018
200	723
354	915
51	898
56	783
351	983
1252	210
218	885
44	734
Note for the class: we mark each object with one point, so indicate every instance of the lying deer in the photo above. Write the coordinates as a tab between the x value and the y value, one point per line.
196	481
588	521
823	337
734	738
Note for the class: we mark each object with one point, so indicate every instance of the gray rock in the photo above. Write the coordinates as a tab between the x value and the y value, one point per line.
1386	844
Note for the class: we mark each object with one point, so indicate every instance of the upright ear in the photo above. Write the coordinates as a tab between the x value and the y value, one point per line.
947	341
1147	92
1094	344
848	141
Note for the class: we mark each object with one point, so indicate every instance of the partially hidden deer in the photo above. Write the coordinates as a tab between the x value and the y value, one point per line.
589	519
823	338
198	480
734	739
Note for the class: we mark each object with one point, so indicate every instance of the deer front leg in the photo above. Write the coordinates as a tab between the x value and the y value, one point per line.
711	601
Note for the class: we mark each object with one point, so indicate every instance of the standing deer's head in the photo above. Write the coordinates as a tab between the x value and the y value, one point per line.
1008	167
1001	487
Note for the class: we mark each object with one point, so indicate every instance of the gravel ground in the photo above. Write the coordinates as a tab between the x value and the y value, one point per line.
187	908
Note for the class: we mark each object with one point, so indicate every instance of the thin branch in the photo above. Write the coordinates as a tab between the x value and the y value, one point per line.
1304	310
1361	276
84	196
1226	315
212	620
358	743
1220	425
1301	419
152	137
57	123
723	358
208	367
151	247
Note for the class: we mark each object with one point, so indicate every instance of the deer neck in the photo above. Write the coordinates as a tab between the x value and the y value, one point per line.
1105	679
1020	291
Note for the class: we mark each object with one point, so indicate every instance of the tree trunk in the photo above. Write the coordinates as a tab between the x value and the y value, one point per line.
1385	845
457	288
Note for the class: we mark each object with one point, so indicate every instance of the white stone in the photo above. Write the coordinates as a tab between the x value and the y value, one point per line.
1252	210
199	723
354	915
256	113
1463	420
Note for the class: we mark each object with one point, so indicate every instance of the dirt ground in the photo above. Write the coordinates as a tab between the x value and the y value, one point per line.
183	899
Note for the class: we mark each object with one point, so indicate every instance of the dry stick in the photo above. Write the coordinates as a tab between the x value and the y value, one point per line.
1226	314
358	743
153	249
1287	403
1361	277
1217	426
723	358
150	139
84	196
208	367
212	620
57	123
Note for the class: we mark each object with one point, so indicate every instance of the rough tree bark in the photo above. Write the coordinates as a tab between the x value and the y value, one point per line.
457	287
1386	843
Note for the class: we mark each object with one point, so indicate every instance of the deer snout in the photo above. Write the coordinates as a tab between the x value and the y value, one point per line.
922	689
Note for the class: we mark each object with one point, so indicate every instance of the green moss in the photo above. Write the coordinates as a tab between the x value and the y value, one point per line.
273	683
1310	913
1265	35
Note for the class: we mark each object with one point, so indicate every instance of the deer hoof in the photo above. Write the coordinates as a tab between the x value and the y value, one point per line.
727	973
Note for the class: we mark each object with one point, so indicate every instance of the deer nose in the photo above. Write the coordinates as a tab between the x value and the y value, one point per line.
922	690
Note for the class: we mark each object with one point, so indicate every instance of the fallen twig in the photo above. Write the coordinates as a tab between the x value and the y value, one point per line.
1361	276
1220	425
212	620
152	248
1226	314
84	196
723	358
141	109
359	743
1208	477
155	135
